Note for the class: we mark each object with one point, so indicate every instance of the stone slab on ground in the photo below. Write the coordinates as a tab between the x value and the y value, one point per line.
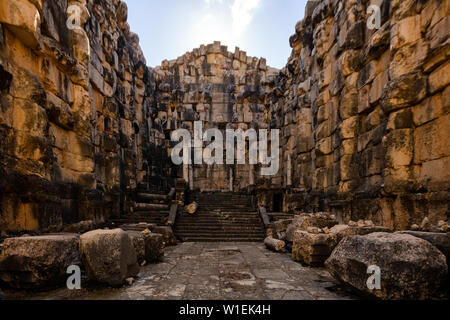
36	262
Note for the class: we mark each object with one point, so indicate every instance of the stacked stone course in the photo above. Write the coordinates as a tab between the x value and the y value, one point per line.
75	119
363	114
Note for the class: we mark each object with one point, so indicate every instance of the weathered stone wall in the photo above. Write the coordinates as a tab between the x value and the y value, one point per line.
75	122
223	90
365	113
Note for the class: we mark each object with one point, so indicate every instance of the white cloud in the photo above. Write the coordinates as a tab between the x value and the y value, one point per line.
242	14
210	2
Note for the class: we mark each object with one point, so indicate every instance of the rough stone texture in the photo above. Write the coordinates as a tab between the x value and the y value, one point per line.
108	256
76	122
38	262
80	227
217	271
363	114
439	240
139	245
312	249
277	229
167	233
222	89
275	244
411	268
342	231
149	247
363	119
154	247
305	221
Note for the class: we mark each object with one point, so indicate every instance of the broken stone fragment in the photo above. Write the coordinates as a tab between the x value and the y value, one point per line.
192	208
275	244
426	225
411	268
108	256
38	262
312	249
303	222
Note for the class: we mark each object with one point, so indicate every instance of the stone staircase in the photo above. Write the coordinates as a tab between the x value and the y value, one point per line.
151	207
221	217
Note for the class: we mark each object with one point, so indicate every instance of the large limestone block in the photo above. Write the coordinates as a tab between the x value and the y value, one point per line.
108	256
411	268
403	92
36	262
312	249
303	222
149	246
23	19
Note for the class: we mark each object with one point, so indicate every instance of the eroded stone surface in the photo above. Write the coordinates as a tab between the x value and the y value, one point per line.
219	271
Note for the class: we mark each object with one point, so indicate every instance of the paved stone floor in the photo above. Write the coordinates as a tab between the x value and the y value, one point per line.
216	271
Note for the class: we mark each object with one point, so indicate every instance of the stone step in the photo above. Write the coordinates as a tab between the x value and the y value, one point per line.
221	217
224	239
150	207
153	197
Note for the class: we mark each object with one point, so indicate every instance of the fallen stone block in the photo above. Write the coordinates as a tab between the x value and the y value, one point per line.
319	220
411	268
312	249
108	256
167	233
139	245
149	246
154	247
275	244
38	262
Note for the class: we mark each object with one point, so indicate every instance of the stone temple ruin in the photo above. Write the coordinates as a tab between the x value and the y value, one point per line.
364	121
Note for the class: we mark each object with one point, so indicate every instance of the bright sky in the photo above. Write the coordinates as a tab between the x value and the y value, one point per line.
169	28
